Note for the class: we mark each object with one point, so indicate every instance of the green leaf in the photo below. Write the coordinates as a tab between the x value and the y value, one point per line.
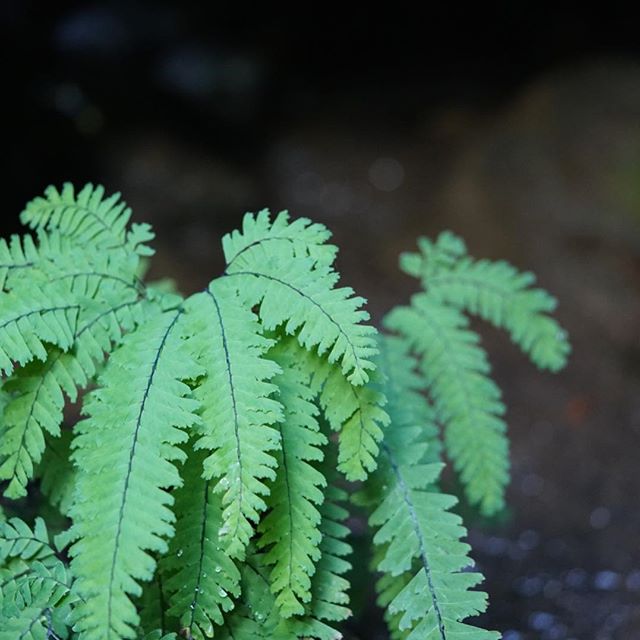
497	292
303	236
428	591
290	531
299	293
237	410
125	453
198	577
466	399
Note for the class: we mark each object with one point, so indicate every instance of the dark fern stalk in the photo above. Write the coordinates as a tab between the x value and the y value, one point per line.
203	481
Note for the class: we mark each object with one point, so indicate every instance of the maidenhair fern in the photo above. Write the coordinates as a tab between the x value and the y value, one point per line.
204	483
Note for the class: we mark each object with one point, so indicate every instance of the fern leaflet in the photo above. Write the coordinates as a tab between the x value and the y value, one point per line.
466	400
237	411
122	510
495	291
290	531
417	530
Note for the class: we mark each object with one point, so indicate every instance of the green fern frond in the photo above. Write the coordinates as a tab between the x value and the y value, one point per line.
37	390
19	540
466	399
306	238
497	292
88	218
121	511
298	293
198	578
329	587
30	317
237	411
290	531
416	528
18	254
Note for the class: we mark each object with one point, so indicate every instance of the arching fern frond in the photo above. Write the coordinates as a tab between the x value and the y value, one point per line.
88	218
416	532
497	292
306	238
121	511
466	399
298	293
37	390
199	579
30	317
237	410
290	531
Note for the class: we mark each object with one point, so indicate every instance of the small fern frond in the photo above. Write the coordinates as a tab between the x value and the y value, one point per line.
306	238
19	540
237	410
495	291
329	587
37	390
30	317
121	511
87	218
198	577
417	532
466	399
290	531
298	293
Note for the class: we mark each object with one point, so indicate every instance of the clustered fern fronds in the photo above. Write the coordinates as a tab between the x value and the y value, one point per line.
203	482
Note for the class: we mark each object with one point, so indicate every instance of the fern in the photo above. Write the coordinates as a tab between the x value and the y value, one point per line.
122	509
290	530
467	401
199	579
203	482
495	291
36	587
237	411
418	535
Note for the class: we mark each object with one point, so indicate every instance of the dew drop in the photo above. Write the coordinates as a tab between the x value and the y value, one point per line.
218	569
179	553
222	592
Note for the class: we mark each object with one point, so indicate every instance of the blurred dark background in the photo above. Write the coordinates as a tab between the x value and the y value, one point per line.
516	125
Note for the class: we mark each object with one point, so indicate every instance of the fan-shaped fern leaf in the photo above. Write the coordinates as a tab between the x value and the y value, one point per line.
298	293
290	531
28	318
236	408
303	236
121	509
495	291
86	217
198	577
467	401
